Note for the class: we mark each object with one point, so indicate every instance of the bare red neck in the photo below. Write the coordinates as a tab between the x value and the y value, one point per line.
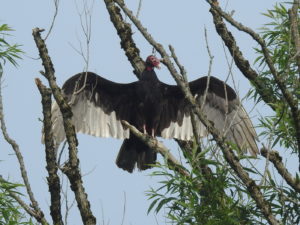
149	68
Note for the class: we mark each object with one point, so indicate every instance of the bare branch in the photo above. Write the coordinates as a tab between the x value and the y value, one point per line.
209	69
244	66
276	159
241	62
86	26
38	212
71	168
211	57
125	34
53	179
215	8
181	67
56	3
68	206
124	209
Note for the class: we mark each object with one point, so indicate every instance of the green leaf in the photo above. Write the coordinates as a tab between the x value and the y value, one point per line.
153	203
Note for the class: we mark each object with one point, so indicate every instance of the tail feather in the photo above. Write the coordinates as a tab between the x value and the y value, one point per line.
242	132
134	153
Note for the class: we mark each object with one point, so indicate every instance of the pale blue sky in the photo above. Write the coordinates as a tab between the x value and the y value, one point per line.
180	23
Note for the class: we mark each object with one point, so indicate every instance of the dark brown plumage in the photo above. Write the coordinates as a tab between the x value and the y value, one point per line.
154	107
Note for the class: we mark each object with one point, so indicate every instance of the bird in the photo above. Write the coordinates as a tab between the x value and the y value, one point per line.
155	108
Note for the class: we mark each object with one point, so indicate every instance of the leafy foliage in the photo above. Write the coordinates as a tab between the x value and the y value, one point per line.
10	212
281	46
8	52
201	198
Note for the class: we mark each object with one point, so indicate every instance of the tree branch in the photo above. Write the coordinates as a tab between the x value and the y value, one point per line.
227	151
125	33
56	4
181	67
39	215
246	69
71	168
293	14
276	159
218	13
53	179
241	62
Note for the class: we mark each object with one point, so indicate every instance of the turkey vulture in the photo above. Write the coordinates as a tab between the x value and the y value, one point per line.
156	108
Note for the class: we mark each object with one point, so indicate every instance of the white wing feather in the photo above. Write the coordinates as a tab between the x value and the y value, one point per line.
88	119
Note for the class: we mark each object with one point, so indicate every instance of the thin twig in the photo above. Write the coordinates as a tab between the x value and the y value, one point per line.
181	67
61	152
86	26
56	3
209	69
124	209
139	9
38	212
269	143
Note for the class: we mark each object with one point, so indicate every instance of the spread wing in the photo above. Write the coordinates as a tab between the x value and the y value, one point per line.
221	106
98	106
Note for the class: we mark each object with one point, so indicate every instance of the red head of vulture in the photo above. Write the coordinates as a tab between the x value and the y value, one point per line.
154	107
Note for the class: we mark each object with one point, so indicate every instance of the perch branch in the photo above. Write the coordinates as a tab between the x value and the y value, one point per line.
71	168
127	43
158	147
53	178
227	151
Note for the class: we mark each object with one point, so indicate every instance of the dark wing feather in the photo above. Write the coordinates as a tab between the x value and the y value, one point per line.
221	106
98	106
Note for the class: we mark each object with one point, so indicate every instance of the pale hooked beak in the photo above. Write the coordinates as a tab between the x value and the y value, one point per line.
158	66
